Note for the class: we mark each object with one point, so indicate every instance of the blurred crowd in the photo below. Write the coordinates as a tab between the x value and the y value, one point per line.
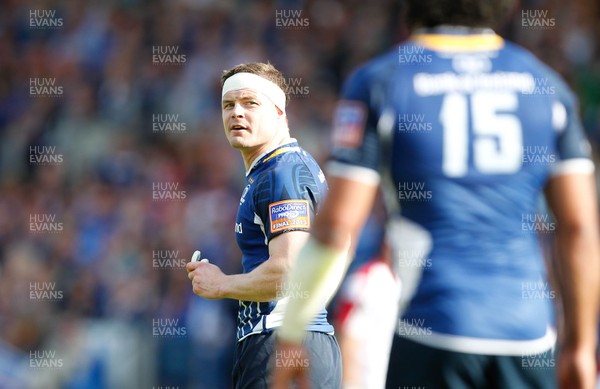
114	167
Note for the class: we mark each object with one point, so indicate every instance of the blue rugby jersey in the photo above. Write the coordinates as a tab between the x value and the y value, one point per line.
476	126
284	189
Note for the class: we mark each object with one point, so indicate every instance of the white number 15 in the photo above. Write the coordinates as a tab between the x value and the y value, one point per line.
497	136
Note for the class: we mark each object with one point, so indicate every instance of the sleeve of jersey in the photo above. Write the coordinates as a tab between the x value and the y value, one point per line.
355	142
573	149
284	200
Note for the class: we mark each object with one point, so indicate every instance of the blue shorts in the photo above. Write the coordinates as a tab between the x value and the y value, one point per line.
254	360
414	365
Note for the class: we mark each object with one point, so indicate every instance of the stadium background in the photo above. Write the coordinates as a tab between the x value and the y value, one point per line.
114	167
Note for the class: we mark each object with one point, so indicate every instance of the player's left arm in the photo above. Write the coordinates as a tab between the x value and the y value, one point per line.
572	198
264	283
571	195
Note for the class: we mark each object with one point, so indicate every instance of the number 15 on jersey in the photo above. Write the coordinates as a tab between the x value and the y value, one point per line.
496	140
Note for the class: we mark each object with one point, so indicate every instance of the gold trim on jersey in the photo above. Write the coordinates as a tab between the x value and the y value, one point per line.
448	42
281	151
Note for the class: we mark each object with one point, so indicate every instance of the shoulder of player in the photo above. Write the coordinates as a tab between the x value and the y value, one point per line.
287	178
284	166
536	65
297	156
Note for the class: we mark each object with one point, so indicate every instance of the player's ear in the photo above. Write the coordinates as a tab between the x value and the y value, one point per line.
281	115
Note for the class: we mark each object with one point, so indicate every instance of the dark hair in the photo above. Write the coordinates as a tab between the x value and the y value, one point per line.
469	13
265	70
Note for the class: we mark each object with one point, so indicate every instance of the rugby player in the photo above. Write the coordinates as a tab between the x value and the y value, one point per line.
284	190
455	125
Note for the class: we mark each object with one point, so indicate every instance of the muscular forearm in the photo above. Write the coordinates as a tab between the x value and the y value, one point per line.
264	283
579	251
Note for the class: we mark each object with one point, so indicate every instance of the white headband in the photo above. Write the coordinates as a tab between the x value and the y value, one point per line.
257	83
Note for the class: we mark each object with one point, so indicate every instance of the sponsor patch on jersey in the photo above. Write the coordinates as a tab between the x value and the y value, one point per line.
349	124
289	214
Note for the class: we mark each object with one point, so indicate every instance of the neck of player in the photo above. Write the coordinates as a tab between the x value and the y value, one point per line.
250	154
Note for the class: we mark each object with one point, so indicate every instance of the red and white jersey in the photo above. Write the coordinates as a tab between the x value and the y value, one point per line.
367	314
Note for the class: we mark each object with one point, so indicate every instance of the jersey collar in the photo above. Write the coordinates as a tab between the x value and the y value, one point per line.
458	38
292	145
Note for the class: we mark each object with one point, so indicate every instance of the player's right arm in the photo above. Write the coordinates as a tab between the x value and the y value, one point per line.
572	198
571	195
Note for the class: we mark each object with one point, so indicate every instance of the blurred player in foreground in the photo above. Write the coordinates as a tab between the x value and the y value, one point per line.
364	323
363	311
284	189
457	122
